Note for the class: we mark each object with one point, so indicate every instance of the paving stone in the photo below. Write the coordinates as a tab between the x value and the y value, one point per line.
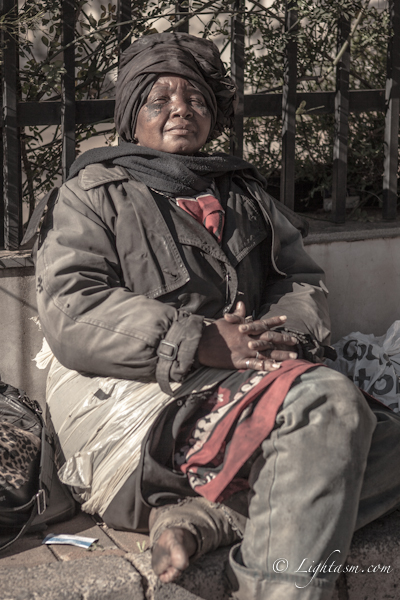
77	525
375	552
204	579
27	551
174	591
104	578
142	563
374	545
70	553
130	542
84	525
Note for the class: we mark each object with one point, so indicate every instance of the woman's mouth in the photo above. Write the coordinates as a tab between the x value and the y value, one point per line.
180	130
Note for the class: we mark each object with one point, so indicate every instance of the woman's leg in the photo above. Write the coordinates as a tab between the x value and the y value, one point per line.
184	527
193	528
306	486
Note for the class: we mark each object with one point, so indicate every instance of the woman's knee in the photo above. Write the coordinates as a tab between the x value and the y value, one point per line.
325	397
349	404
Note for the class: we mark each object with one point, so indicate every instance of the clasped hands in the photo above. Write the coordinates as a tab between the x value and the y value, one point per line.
234	343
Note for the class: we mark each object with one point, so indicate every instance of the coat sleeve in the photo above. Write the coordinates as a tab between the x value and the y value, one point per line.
91	321
300	294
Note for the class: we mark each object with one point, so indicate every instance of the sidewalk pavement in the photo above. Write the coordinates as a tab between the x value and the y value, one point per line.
118	567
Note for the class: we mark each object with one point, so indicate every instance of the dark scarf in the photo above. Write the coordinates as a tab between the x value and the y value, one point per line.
169	173
178	174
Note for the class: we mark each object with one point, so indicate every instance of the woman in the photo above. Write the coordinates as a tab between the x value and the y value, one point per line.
170	273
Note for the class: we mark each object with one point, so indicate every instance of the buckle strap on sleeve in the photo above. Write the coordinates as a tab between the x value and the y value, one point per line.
167	353
176	353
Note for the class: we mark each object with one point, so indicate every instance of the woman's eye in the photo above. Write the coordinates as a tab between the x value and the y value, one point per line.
159	100
197	101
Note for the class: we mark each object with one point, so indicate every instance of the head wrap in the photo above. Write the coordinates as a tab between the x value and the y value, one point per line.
195	59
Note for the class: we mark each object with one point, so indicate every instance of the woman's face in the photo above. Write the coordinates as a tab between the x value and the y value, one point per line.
175	117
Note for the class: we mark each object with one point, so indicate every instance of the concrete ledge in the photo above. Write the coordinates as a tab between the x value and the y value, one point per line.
375	552
205	579
15	259
326	232
321	232
67	573
351	236
21	338
105	578
373	569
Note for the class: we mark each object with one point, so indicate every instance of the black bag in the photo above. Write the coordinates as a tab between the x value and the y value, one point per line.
31	495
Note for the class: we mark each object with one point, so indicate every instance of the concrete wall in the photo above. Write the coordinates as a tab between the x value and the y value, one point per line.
20	337
363	278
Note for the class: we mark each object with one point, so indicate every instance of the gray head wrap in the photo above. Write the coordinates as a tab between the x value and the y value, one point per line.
195	59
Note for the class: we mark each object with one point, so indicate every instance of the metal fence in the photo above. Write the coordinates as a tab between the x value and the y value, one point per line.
68	112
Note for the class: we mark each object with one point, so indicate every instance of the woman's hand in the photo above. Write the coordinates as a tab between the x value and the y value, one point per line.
233	343
267	343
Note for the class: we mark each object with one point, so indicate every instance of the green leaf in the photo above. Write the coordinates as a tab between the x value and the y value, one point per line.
92	21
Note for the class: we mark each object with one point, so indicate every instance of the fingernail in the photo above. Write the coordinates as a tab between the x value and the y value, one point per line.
292	354
275	365
283	318
293	339
244	327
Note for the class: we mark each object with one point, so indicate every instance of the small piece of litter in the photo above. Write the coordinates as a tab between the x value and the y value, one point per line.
72	540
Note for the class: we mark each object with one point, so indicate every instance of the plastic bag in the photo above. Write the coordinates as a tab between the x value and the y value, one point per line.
373	363
100	424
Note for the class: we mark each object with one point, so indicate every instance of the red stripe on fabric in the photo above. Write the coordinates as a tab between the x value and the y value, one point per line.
254	429
209	451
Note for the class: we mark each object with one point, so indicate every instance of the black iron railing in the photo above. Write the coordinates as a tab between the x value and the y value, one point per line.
68	111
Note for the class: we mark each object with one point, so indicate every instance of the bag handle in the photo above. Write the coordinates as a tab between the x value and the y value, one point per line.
39	501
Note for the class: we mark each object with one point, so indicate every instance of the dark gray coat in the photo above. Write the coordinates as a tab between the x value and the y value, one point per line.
125	278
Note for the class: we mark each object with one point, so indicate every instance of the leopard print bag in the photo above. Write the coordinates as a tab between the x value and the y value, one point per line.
28	478
19	454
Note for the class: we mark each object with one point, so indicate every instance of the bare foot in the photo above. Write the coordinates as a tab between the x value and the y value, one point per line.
171	553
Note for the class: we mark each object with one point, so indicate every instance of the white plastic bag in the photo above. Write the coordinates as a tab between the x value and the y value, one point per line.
373	363
101	422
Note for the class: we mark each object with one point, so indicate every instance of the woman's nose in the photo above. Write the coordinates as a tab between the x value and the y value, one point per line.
181	108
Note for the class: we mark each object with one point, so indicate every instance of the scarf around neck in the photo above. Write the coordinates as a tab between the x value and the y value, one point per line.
177	174
169	173
173	174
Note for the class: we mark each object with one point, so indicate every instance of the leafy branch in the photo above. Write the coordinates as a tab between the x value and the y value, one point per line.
97	46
